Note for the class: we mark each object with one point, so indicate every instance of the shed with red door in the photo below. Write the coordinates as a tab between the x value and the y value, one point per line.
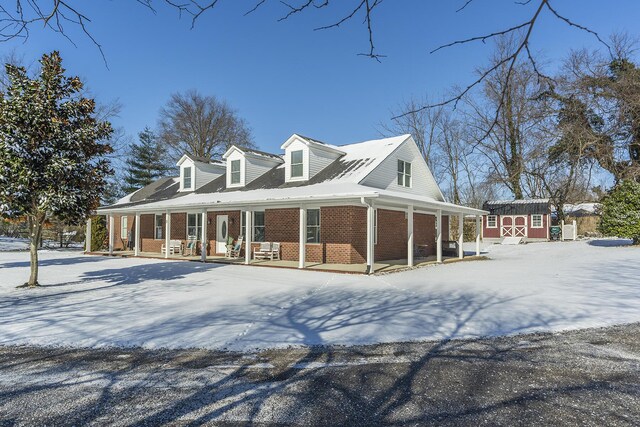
526	218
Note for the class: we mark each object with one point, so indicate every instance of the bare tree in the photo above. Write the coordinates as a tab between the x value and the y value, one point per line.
16	22
203	126
511	137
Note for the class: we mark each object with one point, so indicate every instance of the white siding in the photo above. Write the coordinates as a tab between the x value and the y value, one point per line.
256	168
385	175
319	159
206	173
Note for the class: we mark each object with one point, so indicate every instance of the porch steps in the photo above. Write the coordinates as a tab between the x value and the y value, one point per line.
511	241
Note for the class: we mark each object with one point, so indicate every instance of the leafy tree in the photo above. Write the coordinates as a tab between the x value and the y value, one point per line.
52	160
145	163
621	211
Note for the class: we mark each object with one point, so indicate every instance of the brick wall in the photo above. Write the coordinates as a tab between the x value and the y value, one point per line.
343	233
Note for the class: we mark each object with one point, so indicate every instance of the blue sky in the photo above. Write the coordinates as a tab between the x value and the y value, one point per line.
283	77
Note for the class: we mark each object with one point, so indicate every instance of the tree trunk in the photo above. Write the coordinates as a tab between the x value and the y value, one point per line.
35	237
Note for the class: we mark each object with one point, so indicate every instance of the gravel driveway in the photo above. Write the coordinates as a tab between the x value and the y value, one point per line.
585	377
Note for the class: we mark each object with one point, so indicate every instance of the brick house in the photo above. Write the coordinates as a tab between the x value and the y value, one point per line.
351	204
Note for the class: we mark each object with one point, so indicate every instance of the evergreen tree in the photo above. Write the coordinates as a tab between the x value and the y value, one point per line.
145	163
52	156
621	211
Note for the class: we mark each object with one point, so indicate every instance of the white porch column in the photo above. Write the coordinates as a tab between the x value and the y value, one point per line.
439	235
167	233
410	236
302	248
111	235
562	230
370	240
478	230
87	238
136	249
203	239
460	235
249	234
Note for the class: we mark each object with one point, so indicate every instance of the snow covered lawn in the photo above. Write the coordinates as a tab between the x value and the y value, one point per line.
100	301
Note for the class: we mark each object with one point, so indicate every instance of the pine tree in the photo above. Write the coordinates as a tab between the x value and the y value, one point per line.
145	163
52	159
621	211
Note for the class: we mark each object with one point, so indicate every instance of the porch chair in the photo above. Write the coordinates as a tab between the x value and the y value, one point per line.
264	251
175	246
234	252
275	251
190	249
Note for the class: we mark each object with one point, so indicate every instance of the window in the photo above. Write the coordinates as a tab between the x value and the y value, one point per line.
492	221
536	221
297	166
313	226
159	226
124	229
404	173
258	226
194	225
186	178
235	171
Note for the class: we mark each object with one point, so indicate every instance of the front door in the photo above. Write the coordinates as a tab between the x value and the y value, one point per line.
222	233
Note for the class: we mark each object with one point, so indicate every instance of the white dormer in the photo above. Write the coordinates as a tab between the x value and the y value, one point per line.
305	157
244	165
196	172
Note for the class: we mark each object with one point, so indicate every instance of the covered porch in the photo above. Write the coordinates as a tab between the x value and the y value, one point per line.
379	227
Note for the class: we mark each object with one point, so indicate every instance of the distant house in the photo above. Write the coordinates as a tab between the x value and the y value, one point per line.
528	218
356	203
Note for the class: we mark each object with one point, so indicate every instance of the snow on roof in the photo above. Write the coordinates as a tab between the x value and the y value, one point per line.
516	202
587	207
323	191
341	179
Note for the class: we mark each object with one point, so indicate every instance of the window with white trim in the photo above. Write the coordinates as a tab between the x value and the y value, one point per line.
159	226
313	225
194	225
297	164
536	221
235	171
492	221
124	228
404	173
186	178
258	226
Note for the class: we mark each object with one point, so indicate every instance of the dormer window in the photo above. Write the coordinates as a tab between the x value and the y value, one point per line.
186	178
235	171
404	173
297	164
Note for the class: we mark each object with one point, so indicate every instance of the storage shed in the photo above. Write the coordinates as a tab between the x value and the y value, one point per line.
526	218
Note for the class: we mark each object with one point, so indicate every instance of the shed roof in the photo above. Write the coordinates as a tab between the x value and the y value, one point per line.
517	207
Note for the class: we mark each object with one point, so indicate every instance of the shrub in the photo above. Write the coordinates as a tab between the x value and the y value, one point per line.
620	211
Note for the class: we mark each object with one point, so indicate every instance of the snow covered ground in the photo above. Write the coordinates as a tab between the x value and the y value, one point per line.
99	301
21	244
